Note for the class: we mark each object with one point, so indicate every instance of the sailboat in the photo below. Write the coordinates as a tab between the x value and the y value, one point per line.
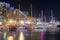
42	25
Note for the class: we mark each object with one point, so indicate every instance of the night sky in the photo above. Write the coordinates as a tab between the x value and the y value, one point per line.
38	5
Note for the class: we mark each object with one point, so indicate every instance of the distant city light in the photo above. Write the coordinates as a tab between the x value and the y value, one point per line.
0	23
7	5
39	23
29	22
10	21
11	8
58	23
22	22
51	21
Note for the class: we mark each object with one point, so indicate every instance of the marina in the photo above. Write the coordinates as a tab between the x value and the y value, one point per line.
15	25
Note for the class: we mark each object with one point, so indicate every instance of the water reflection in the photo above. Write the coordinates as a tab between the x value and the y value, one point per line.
21	36
30	35
4	36
42	35
10	38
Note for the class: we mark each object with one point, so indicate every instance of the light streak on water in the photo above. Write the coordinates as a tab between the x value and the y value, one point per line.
10	38
21	36
42	35
4	36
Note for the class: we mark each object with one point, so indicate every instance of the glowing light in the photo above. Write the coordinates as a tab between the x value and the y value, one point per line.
29	22
0	23
21	36
10	38
10	21
21	22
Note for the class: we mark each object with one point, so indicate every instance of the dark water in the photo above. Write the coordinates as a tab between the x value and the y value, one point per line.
46	36
35	35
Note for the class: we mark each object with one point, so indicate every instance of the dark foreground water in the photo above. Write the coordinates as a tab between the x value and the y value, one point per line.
44	36
33	35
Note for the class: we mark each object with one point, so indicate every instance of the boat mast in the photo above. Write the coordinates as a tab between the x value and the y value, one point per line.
19	6
31	10
45	18
42	17
51	15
